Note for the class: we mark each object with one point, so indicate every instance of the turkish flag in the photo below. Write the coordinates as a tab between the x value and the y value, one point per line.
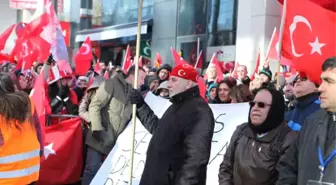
37	95
158	60
127	60
327	4
256	69
273	49
177	58
309	37
4	36
201	86
83	57
62	161
219	71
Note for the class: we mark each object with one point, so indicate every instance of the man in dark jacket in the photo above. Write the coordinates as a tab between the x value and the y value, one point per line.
179	150
307	102
306	160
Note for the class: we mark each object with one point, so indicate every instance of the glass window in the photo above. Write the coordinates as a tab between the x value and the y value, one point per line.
222	38
116	12
192	17
221	16
96	13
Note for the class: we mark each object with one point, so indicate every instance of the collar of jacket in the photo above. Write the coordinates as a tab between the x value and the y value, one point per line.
307	99
268	137
188	94
123	81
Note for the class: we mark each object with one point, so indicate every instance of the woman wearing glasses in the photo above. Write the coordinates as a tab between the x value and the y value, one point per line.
257	145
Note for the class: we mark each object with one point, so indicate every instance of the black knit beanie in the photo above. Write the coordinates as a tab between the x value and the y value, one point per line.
275	115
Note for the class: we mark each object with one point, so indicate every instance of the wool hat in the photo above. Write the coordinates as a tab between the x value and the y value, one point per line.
166	67
266	72
185	71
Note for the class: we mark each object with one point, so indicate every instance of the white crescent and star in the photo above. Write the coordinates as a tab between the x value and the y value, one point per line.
181	72
316	45
48	150
87	48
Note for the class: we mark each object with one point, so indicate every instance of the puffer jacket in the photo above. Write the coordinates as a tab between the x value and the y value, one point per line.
110	111
250	160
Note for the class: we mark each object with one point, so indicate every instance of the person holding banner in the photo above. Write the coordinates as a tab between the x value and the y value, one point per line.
179	150
256	146
311	159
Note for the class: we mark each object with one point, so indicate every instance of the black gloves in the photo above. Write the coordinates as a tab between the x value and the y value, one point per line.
135	97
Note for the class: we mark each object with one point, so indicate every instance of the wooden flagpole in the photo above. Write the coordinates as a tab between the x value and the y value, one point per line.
136	63
282	27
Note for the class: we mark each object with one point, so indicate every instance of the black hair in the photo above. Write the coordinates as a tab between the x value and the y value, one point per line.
131	70
330	63
6	84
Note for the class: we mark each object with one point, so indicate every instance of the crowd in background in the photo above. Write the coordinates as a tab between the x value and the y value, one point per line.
287	109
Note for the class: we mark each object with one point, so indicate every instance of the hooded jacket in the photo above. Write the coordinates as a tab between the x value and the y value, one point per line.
251	159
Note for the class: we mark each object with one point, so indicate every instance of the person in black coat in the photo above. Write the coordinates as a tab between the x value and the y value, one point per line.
179	150
301	165
256	146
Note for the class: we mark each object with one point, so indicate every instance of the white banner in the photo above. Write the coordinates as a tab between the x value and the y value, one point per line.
115	169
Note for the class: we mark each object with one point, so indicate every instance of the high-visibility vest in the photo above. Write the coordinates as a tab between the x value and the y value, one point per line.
19	154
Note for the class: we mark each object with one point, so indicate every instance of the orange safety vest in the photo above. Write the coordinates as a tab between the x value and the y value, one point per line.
19	155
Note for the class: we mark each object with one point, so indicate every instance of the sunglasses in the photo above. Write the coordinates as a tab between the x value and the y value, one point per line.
259	104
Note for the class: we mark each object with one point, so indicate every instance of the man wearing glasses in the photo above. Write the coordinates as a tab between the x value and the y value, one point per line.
307	99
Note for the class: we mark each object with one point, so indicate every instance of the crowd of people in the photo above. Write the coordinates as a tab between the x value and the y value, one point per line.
265	150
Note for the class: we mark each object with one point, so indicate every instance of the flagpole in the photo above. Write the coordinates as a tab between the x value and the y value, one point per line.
136	63
198	46
282	27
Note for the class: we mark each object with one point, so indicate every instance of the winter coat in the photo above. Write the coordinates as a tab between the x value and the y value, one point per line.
250	160
301	162
304	107
179	150
110	111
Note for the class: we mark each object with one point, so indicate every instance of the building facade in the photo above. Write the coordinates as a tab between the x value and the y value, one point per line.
236	28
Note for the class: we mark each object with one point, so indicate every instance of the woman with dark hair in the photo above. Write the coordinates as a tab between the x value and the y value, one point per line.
240	94
20	149
223	90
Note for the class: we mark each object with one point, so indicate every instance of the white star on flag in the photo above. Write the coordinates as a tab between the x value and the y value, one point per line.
316	46
49	33
48	150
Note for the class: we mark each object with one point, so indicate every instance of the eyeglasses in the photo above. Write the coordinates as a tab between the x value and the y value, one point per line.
259	104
